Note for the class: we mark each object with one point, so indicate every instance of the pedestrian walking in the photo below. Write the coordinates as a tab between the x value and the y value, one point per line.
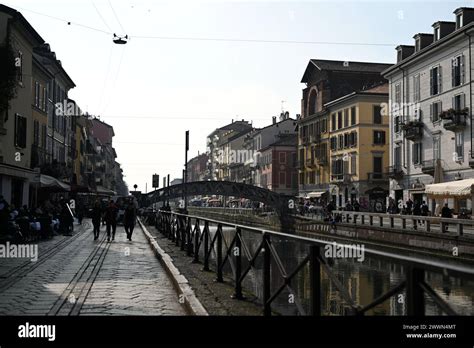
129	219
111	219
96	217
424	210
446	212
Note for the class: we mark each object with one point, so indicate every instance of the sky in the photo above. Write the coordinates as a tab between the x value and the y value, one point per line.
162	83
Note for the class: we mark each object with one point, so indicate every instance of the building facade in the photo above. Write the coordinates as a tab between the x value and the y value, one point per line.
359	149
326	81
430	113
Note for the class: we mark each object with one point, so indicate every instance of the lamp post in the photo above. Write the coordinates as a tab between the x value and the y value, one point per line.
185	173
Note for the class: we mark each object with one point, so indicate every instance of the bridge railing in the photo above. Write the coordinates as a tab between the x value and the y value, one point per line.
399	222
241	249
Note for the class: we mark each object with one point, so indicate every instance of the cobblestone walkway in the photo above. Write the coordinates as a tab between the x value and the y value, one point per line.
79	276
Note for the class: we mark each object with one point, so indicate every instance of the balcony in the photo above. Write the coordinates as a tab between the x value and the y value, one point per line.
310	162
377	177
39	157
454	120
341	178
428	166
395	172
413	130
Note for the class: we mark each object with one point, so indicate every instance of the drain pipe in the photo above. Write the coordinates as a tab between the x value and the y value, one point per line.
470	93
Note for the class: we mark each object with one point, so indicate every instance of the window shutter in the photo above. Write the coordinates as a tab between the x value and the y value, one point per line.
414	154
383	138
431	81
440	84
453	102
431	113
462	70
453	72
462	101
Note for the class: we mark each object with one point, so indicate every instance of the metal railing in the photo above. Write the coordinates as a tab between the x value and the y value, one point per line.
193	235
399	222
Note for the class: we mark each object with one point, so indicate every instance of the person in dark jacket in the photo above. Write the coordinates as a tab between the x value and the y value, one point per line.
129	218
111	219
446	212
96	217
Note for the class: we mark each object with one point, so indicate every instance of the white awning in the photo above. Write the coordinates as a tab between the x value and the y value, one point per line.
316	194
456	189
105	191
47	181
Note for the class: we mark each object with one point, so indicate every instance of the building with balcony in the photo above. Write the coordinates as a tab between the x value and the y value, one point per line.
430	110
359	148
326	81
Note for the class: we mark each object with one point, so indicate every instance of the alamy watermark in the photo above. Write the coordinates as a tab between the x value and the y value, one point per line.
345	251
26	251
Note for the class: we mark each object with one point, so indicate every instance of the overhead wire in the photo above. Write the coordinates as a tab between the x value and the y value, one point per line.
116	17
100	15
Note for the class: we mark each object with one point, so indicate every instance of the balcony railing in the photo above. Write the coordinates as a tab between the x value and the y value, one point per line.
413	130
455	122
395	171
341	178
376	176
428	166
39	157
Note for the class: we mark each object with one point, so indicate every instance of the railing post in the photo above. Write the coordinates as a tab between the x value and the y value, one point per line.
206	246
267	308
197	229
415	296
238	264
415	224
371	220
362	219
443	227
404	223
182	238
219	279
189	240
315	280
428	225
460	229
381	221
179	227
392	222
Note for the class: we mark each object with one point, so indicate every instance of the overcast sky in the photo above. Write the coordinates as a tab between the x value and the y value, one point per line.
152	90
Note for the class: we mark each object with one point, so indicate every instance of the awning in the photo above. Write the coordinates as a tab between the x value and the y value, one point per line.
47	181
450	189
316	194
105	191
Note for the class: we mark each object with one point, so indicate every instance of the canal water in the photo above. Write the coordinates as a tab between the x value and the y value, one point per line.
363	280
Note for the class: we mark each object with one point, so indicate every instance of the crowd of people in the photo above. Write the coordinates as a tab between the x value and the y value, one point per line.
57	216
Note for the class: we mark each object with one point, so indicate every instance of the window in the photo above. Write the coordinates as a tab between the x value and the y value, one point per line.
417	153
435	110
459	21
353	139
37	92
333	143
399	55
379	138
458	102
397	157
341	142
436	34
457	71
459	144
324	126
435	80
417	44
437	147
398	94
377	162
282	157
36	135
44	134
282	178
20	131
333	122
346	140
353	116
346	117
353	163
339	120
377	114
416	88
19	70
396	124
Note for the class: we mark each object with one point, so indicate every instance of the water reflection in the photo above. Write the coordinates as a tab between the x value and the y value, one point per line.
364	281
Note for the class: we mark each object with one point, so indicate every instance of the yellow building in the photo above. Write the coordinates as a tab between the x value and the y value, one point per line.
359	149
326	81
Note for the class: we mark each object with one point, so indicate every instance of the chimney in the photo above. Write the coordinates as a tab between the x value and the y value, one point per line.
274	119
